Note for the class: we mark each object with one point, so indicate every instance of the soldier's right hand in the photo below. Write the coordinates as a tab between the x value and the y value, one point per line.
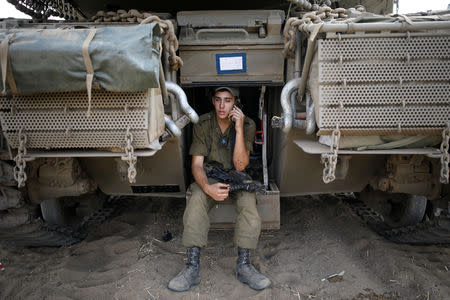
217	191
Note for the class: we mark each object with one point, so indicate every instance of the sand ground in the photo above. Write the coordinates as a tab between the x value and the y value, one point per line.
125	258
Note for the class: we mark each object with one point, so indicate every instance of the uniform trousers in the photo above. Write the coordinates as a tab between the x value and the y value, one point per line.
196	220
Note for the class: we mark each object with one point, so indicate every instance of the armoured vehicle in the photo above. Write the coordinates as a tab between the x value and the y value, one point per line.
348	100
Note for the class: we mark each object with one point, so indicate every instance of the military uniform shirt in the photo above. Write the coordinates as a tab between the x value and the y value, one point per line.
207	136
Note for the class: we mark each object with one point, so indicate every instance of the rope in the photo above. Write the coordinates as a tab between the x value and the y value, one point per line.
317	16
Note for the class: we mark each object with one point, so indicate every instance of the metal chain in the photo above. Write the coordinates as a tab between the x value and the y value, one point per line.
330	159
130	157
19	169
445	157
170	40
46	8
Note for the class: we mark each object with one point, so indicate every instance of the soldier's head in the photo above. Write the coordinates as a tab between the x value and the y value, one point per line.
224	99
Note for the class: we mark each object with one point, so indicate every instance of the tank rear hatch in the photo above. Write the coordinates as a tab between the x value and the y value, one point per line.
237	47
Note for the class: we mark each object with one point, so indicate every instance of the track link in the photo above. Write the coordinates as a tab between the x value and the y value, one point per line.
435	231
37	233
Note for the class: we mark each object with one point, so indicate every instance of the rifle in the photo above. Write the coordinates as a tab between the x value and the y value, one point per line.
238	181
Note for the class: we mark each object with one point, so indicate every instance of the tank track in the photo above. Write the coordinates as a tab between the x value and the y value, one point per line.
434	231
112	207
37	233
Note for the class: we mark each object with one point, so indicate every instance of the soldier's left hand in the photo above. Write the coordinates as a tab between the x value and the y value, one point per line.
238	117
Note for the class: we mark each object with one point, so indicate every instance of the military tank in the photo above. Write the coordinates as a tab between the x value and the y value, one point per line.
348	98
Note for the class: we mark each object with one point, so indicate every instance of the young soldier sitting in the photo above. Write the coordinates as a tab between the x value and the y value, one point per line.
217	139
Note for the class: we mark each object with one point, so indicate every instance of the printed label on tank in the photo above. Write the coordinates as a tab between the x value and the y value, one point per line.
231	63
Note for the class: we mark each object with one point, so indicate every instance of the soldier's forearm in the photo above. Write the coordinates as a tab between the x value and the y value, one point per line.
240	154
200	177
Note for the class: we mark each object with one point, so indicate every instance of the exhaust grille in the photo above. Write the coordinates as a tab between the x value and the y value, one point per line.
385	48
60	120
376	94
382	85
355	72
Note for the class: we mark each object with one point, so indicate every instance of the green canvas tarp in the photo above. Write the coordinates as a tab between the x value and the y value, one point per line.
123	58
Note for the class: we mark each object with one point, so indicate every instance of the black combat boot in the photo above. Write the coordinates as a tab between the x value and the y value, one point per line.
246	273
190	275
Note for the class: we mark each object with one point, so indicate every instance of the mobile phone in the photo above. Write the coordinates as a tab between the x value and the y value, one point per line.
231	118
239	105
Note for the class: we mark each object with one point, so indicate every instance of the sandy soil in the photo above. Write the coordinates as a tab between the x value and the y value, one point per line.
125	258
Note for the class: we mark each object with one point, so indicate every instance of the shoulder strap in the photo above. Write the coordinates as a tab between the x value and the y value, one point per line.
232	143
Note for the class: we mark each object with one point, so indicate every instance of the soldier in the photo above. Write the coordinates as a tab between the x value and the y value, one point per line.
224	136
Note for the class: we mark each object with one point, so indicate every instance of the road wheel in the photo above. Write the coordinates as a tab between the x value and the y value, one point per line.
71	211
54	212
398	210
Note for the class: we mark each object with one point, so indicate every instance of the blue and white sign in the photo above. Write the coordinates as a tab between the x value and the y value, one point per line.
229	63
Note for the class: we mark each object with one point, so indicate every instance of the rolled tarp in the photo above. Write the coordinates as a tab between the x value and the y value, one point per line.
117	58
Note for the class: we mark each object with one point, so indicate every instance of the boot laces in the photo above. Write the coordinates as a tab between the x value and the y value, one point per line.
193	256
244	256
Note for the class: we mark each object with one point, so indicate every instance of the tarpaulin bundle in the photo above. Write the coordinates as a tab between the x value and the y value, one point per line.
116	58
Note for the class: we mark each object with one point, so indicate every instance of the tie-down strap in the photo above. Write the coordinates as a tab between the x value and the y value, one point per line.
6	70
88	65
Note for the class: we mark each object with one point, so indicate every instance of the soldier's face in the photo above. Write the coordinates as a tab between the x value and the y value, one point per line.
223	103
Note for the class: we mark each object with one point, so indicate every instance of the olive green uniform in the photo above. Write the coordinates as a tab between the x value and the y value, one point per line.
206	142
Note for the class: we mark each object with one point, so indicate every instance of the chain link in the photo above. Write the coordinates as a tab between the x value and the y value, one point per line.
130	157
19	169
330	159
445	157
46	8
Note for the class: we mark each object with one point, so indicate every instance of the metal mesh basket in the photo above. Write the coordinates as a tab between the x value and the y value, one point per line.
60	120
384	85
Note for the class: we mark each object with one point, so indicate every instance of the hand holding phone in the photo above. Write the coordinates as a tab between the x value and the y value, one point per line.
237	116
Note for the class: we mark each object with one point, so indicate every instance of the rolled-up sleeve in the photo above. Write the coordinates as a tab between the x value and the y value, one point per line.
249	133
198	146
